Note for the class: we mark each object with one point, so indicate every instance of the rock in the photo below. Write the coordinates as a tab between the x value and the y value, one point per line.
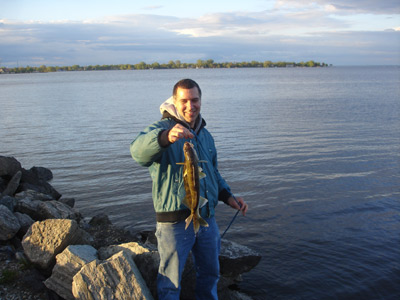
9	202
25	222
34	195
116	278
56	210
42	210
30	181
9	166
101	219
236	259
12	185
3	184
9	224
69	262
68	201
145	258
42	173
45	239
29	207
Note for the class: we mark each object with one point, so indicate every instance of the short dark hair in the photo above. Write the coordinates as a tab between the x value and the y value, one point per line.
185	84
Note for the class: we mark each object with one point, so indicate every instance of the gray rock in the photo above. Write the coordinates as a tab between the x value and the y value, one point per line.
34	195
236	259
30	181
101	219
9	166
29	207
116	278
56	210
9	224
42	173
25	222
69	262
45	239
42	210
9	202
68	201
12	185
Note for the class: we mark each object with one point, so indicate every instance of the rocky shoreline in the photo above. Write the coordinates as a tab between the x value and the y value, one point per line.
49	251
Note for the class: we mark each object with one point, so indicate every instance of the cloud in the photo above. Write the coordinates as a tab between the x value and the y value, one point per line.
235	36
345	6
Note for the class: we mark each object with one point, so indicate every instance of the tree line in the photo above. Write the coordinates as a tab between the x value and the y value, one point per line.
177	64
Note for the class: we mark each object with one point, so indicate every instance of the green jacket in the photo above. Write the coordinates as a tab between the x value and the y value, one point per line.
167	176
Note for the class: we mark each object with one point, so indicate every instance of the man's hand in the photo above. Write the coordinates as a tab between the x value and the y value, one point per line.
242	206
179	132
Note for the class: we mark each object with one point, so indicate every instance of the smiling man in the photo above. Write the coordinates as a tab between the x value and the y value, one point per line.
160	147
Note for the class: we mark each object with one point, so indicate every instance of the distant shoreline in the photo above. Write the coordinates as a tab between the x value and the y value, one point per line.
200	64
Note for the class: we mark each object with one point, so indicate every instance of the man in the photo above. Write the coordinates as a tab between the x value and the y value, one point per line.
160	147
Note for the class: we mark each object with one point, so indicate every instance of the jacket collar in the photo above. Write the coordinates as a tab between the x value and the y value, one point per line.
168	111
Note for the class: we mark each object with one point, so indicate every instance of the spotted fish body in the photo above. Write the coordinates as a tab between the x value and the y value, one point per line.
192	174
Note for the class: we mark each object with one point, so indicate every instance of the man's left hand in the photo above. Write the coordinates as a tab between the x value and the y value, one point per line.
242	206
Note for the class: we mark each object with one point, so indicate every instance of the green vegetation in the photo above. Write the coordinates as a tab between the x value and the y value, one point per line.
201	64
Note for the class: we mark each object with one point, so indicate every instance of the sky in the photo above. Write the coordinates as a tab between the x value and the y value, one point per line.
98	32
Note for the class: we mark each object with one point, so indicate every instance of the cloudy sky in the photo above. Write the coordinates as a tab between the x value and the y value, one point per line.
90	32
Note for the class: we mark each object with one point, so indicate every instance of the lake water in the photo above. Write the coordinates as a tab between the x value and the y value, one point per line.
315	152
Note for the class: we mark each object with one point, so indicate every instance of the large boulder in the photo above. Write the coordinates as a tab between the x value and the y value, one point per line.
9	202
69	262
45	239
42	173
9	166
236	259
9	224
25	221
48	209
57	210
30	181
34	195
29	207
12	185
146	259
116	278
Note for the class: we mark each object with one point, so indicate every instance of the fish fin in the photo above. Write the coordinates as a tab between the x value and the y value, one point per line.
188	220
196	225
202	175
202	201
202	222
181	163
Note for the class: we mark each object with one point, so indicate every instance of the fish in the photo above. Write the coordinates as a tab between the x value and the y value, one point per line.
192	174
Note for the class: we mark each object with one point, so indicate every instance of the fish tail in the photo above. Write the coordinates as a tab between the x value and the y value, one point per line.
196	225
188	220
202	222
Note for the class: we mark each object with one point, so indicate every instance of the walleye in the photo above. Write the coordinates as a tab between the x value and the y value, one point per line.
192	174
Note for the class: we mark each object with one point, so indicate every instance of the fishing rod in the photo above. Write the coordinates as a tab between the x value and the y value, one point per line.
234	217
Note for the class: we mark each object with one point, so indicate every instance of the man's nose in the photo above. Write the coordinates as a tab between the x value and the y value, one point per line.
190	105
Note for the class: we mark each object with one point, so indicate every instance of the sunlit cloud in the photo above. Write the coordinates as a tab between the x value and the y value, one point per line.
292	31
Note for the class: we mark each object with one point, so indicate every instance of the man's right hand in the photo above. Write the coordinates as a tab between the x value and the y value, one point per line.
179	132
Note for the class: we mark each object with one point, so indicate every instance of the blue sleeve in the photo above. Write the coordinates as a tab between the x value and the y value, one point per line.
145	148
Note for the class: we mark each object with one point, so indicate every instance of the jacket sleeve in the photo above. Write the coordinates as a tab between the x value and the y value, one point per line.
145	148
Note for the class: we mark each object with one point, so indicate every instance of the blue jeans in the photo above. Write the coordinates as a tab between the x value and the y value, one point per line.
174	246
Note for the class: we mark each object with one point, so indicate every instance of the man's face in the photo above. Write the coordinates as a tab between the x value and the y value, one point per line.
188	103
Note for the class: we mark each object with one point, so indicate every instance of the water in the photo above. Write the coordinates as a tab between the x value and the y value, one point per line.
315	153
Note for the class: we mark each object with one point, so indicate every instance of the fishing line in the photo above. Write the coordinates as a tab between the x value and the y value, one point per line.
234	217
